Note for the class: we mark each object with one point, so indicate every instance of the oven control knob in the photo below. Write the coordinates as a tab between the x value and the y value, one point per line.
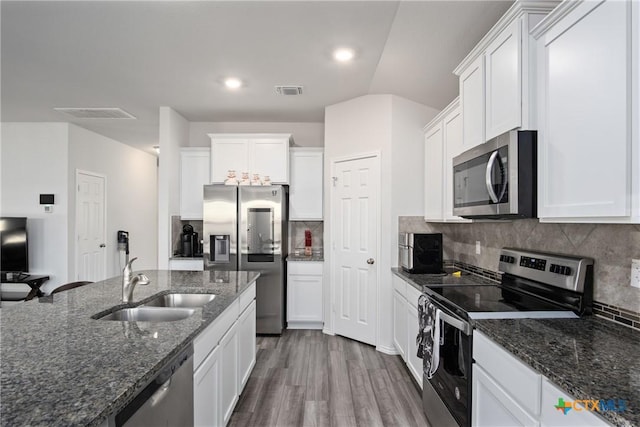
457	393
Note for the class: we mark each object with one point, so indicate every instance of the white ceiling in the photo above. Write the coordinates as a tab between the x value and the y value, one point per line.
142	55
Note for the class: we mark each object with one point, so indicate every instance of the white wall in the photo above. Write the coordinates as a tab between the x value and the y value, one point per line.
173	134
308	134
34	162
132	198
406	190
392	126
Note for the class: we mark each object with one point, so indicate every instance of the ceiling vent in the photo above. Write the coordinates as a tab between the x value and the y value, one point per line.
289	90
96	113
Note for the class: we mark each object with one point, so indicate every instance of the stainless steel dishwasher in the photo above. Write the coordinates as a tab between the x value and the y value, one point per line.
167	400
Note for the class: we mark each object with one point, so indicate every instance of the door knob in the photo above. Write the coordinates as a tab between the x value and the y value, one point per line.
370	261
102	245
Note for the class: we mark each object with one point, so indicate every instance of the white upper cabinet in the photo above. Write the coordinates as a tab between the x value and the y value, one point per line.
194	174
433	140
452	146
270	157
503	82
443	141
588	113
305	191
497	79
228	154
263	154
472	100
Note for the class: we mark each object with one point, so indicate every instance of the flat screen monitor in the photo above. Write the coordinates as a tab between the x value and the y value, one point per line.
14	250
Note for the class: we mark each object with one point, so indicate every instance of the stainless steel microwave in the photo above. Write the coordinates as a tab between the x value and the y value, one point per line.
498	178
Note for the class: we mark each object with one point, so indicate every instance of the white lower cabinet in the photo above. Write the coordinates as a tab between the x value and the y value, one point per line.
229	378
206	391
400	323
493	406
413	361
578	416
304	295
506	392
405	325
246	344
224	356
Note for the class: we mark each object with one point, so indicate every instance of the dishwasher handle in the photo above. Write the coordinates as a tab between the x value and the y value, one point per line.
157	397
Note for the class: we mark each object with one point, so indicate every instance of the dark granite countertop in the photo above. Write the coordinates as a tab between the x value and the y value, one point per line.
420	280
315	258
590	358
60	367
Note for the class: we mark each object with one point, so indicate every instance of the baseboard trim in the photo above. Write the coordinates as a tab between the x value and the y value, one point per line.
387	350
305	325
328	332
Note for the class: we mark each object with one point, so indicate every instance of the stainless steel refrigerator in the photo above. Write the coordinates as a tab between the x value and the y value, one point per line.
245	228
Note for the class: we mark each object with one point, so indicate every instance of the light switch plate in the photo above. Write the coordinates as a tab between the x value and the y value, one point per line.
478	248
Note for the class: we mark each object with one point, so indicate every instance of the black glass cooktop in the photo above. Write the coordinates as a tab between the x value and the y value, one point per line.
471	300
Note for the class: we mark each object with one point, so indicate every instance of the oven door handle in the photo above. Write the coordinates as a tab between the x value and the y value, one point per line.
461	325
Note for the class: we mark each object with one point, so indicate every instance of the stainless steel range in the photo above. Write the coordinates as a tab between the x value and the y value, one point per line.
534	285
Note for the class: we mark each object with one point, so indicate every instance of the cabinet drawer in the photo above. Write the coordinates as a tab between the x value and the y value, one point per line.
577	416
412	295
247	296
399	285
311	268
518	380
211	336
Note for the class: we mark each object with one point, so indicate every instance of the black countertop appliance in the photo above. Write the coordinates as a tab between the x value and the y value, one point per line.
189	243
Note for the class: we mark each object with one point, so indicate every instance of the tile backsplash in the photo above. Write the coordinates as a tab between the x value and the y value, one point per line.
296	234
176	231
612	246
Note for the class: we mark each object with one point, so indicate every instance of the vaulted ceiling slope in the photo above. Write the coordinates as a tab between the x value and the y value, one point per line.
145	54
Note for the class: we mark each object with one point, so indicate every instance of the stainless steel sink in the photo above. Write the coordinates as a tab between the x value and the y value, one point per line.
149	314
180	300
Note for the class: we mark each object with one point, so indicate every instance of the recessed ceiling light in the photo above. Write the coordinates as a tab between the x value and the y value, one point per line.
343	54
233	83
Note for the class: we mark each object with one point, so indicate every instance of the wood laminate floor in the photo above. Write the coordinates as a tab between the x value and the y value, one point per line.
307	378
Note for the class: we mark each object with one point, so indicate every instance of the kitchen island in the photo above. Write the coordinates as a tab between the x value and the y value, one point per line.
60	366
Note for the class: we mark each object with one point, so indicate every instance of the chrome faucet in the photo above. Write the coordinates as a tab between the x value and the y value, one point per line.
129	281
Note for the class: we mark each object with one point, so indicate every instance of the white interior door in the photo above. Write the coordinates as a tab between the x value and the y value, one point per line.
355	225
91	227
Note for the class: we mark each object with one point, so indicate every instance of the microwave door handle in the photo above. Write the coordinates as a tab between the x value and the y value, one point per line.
456	323
487	177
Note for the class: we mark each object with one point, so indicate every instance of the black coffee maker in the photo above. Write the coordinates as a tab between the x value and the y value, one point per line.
189	241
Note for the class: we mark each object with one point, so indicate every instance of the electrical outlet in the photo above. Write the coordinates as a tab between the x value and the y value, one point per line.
478	247
635	273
